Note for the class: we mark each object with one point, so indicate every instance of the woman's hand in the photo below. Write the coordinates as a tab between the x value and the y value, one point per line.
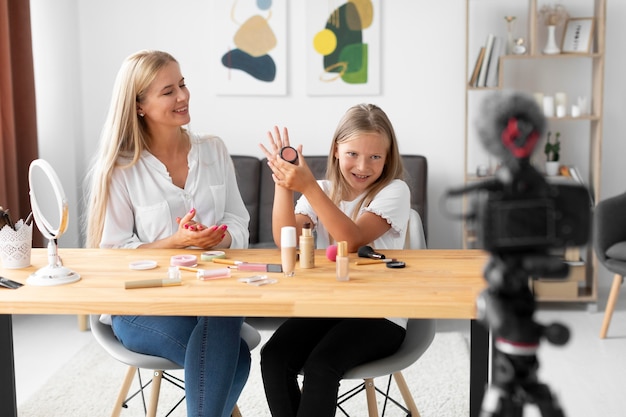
285	174
192	233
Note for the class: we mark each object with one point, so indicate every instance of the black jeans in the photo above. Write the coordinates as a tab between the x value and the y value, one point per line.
323	349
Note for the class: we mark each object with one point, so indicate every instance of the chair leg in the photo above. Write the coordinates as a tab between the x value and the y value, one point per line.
370	393
83	320
236	412
406	394
610	305
157	376
121	397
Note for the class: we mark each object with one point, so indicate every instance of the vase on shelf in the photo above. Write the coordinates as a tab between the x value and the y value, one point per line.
552	168
551	47
510	42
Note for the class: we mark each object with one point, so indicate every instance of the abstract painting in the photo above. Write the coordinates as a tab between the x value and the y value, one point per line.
250	40
343	47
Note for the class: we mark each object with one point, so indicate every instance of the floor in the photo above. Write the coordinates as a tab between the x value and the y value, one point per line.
586	374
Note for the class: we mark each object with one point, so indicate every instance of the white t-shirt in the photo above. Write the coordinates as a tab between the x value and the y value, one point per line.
144	202
392	203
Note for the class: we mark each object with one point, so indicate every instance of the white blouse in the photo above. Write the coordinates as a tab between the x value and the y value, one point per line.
392	203
144	202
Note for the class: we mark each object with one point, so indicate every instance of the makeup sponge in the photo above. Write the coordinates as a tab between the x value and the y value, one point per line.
331	253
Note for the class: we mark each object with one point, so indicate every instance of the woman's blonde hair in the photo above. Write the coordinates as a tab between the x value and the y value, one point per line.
124	133
359	119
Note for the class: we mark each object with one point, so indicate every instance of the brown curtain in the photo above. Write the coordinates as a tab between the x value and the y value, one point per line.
18	118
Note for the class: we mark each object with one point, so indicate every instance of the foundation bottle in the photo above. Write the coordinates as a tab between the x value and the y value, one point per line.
307	250
342	261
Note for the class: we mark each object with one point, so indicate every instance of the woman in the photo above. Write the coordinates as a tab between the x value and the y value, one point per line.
363	201
154	184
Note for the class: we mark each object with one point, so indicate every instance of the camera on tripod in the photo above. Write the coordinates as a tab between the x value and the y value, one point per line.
519	211
519	217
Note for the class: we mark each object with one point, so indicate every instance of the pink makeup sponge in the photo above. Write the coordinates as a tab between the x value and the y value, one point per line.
331	253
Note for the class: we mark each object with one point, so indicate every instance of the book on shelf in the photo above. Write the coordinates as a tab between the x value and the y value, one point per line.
482	75
493	67
479	61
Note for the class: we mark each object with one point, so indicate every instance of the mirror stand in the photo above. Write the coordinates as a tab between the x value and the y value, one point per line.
54	273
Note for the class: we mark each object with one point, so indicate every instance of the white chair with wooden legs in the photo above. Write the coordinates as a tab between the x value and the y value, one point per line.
103	333
419	335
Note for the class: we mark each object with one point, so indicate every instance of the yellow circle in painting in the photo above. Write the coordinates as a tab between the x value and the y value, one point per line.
325	42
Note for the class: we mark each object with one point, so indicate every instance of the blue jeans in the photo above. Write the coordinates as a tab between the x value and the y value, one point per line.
215	358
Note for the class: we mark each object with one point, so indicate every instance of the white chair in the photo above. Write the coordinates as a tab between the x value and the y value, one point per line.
415	238
103	334
419	335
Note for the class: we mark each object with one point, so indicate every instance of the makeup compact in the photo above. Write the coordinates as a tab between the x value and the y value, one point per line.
289	154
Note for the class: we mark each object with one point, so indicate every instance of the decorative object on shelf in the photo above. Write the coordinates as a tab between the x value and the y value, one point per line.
552	150
482	171
583	106
560	103
552	16
510	44
519	48
548	106
551	47
578	36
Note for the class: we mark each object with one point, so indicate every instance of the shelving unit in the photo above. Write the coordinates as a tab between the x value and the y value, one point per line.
535	72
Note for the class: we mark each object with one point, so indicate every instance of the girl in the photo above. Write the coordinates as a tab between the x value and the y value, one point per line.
362	201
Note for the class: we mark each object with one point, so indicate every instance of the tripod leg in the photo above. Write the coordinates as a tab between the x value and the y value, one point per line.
548	404
497	402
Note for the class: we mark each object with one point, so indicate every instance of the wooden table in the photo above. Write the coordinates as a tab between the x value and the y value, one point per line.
439	284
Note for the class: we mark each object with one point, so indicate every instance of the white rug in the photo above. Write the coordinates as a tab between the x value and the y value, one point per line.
88	384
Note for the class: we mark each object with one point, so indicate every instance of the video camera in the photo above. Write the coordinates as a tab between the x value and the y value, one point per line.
518	210
535	216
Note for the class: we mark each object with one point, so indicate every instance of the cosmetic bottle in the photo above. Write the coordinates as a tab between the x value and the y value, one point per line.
342	261
307	250
288	250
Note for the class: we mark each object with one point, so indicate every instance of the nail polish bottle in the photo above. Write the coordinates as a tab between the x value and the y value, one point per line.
307	250
288	250
342	261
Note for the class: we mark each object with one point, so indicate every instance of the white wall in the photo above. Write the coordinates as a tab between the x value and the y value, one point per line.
79	46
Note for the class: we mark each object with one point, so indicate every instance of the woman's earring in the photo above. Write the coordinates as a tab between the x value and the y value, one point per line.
141	114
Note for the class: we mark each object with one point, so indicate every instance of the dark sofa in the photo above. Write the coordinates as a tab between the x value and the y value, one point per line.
256	186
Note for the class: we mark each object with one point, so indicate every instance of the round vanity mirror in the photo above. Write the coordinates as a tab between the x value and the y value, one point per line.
50	211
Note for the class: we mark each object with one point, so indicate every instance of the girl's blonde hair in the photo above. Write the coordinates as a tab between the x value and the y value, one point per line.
359	119
124	133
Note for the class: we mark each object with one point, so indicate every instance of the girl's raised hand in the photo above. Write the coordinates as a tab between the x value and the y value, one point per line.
276	142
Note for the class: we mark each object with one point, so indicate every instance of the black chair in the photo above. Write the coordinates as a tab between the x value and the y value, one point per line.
609	242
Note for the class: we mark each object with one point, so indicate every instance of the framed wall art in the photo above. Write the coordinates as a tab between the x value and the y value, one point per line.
343	47
250	47
578	36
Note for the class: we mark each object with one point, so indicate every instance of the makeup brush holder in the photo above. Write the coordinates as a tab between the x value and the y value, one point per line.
16	245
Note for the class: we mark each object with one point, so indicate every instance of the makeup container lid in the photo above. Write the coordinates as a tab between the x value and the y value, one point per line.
288	236
342	248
